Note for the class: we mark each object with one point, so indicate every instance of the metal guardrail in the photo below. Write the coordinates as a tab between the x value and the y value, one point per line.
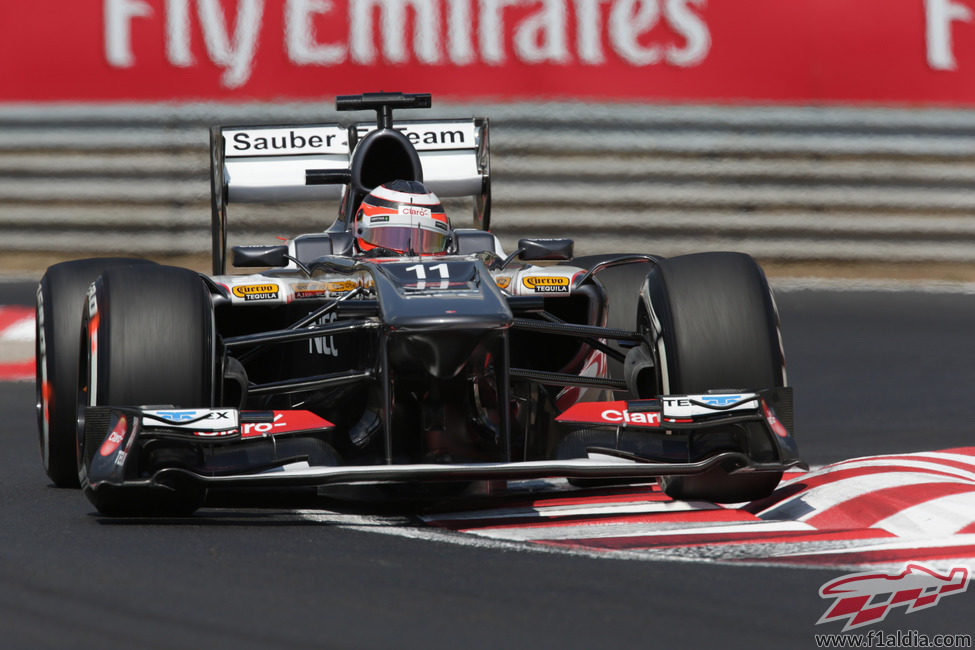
780	183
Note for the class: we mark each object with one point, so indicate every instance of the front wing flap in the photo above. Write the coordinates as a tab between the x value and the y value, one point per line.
770	408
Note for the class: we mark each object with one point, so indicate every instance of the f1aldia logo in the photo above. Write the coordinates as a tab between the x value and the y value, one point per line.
866	598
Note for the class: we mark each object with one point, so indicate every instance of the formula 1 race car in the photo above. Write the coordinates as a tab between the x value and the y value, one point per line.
393	349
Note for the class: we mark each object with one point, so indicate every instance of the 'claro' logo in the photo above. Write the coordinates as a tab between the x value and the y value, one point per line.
547	284
256	291
651	419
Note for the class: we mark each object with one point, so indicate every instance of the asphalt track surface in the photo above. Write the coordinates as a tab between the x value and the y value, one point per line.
873	372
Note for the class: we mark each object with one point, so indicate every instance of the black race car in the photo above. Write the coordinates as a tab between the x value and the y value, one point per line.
338	364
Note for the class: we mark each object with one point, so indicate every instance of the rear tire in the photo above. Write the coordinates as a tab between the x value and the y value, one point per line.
60	297
712	324
150	341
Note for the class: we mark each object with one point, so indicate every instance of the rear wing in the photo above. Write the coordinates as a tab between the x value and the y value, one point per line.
271	163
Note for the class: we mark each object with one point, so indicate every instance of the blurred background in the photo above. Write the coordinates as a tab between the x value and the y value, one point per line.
829	138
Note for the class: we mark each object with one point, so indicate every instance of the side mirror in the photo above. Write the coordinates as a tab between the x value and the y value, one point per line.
260	256
545	249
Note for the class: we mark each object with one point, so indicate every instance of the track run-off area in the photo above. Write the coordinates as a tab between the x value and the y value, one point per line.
883	376
880	510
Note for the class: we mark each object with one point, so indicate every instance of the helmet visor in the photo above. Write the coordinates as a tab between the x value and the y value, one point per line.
424	235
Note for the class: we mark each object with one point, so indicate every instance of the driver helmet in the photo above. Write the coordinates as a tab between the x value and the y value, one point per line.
403	217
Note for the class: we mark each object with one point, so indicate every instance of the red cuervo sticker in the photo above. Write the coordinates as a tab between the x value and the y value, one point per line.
609	413
115	437
285	422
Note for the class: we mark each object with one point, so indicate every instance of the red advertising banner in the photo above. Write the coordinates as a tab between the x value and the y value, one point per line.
788	51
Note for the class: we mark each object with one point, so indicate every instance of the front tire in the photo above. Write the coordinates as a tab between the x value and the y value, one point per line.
711	323
60	297
150	341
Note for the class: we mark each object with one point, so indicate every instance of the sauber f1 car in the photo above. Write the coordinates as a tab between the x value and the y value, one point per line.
340	361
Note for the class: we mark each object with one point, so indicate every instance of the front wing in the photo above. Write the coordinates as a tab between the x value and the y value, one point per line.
113	436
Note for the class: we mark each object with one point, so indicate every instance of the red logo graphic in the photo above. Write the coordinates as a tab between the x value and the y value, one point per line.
285	422
773	421
866	598
115	437
614	413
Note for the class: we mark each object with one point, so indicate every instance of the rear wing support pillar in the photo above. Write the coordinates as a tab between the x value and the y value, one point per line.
218	202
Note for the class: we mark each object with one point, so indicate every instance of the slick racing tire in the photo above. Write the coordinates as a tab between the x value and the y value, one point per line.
149	341
711	323
60	297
